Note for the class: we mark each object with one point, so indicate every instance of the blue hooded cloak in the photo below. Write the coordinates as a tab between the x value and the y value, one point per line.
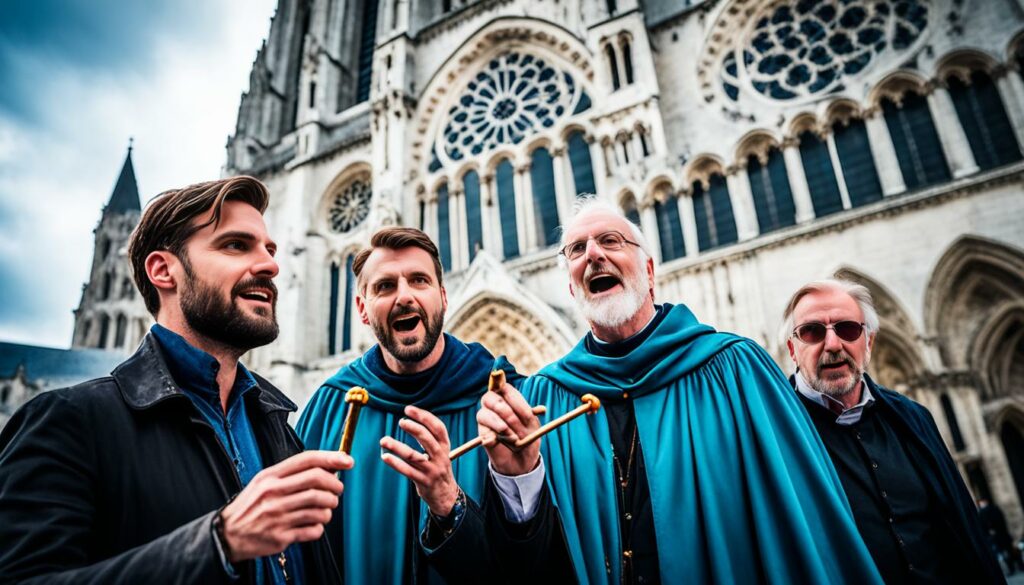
377	499
742	489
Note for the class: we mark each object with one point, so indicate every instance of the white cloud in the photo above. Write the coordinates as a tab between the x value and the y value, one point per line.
56	176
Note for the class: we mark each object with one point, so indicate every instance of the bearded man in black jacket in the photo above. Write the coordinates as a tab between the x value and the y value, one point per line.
180	467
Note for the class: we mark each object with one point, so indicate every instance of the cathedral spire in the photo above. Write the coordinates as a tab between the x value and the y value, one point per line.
126	192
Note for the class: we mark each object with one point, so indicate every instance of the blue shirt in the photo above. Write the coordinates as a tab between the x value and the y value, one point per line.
195	372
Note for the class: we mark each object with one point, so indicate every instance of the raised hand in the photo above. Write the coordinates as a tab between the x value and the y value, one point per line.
504	417
283	504
430	470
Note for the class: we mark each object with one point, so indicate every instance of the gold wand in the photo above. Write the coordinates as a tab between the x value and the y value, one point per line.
494	384
590	405
356	397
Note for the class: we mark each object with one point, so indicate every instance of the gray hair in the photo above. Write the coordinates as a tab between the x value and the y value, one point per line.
858	292
589	203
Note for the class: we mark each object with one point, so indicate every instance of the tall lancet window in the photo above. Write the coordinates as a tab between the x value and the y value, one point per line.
504	179
918	149
984	119
821	176
858	165
769	184
582	166
444	236
339	321
474	229
366	46
670	230
542	179
712	210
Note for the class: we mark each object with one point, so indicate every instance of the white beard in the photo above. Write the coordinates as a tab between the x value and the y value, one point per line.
614	310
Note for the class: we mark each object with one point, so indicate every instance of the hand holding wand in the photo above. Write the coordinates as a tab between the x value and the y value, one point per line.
590	405
356	397
494	384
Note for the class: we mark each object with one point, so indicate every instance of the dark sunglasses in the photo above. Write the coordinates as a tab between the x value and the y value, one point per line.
812	333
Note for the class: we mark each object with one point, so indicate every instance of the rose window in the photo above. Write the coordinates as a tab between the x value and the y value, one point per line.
804	48
512	97
350	207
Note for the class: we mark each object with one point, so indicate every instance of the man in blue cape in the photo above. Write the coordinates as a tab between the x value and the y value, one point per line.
700	467
424	387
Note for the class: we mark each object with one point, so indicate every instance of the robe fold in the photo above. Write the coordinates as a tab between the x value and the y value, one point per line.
742	489
375	507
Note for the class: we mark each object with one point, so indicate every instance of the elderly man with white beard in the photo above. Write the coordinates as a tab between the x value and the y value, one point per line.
700	467
908	498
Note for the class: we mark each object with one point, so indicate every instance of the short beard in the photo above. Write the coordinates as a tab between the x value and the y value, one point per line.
223	321
835	388
408	350
617	309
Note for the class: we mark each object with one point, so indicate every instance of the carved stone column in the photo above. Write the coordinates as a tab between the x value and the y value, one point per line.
951	133
884	153
797	180
742	202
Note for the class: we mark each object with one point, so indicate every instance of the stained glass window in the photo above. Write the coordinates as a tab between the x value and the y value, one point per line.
821	177
670	231
542	179
505	180
916	141
582	167
350	207
471	185
366	46
854	150
332	310
444	241
802	48
712	210
512	97
985	122
773	200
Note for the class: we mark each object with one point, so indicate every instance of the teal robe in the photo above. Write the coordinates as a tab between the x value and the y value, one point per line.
742	489
375	506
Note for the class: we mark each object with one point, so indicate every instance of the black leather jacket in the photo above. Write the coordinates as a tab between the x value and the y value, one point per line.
117	480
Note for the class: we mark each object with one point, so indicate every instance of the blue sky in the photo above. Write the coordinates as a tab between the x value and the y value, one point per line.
79	78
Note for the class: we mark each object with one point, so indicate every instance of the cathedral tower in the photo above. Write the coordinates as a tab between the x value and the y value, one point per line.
111	314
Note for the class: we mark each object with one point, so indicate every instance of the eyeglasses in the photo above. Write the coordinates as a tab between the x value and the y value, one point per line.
812	333
610	241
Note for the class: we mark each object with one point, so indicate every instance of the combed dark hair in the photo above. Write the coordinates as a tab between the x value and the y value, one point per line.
167	223
396	238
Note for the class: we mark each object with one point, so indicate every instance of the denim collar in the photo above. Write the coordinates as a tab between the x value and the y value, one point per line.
195	370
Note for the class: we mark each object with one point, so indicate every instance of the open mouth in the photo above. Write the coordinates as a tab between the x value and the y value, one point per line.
406	323
602	283
256	295
833	366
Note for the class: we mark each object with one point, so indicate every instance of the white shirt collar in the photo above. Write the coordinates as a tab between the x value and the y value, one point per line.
848	416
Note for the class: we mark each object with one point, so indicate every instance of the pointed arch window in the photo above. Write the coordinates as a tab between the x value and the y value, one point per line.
582	166
108	283
542	179
670	230
984	120
627	60
712	210
474	229
859	172
629	208
613	65
342	283
916	141
120	330
104	331
769	184
821	176
444	236
504	177
366	46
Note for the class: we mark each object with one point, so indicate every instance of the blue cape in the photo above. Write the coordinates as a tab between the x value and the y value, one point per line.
742	488
375	505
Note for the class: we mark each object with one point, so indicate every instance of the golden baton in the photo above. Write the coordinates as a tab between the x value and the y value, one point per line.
356	397
494	384
590	405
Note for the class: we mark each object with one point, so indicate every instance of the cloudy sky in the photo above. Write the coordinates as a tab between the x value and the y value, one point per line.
78	79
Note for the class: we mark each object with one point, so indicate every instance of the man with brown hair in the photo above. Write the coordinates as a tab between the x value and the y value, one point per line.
180	467
424	387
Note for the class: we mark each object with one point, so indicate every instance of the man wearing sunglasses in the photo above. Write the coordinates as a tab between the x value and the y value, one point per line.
700	466
908	498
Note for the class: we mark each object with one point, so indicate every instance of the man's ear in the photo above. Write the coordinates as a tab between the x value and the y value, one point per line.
158	269
650	276
361	307
571	292
792	349
444	301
